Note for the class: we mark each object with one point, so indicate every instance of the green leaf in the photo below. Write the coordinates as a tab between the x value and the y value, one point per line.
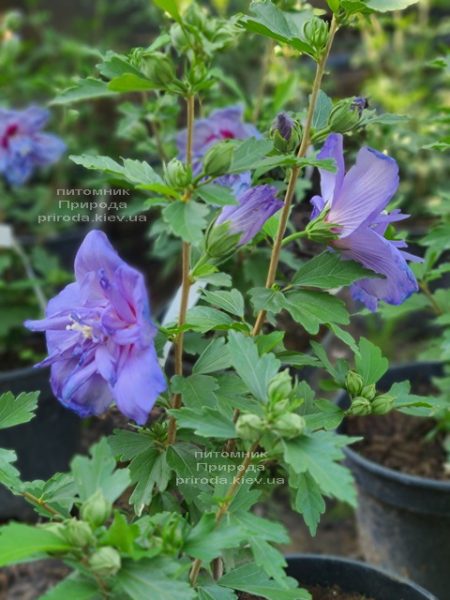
130	82
9	475
319	454
308	500
205	318
19	541
267	299
59	492
388	5
148	470
197	390
215	357
230	301
256	371
207	540
370	363
186	220
170	7
312	309
215	592
268	558
99	473
15	411
139	580
207	422
252	579
328	271
128	444
121	534
217	195
322	110
85	89
248	153
74	587
270	21
136	172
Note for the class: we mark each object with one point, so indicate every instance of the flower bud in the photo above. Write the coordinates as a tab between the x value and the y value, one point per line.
359	104
315	32
157	67
249	427
280	387
285	133
321	231
96	510
360	406
369	391
289	425
106	562
343	117
354	383
220	241
79	533
176	174
382	404
218	159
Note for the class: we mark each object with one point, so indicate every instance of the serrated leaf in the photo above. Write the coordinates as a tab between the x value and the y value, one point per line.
370	362
186	219
128	444
74	587
252	579
84	89
312	309
207	422
148	470
308	500
19	541
319	454
389	5
256	371
215	357
208	539
328	271
17	410
217	195
231	301
322	110
267	299
215	592
121	534
99	473
171	7
248	153
130	82
205	318
9	475
139	580
196	390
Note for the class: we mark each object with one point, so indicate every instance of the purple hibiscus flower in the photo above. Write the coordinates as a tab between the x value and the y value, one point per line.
222	124
23	147
100	336
256	205
355	201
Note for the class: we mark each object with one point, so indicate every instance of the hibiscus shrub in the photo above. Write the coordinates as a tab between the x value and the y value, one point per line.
211	435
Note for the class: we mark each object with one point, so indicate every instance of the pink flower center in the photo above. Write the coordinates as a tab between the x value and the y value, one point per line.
11	131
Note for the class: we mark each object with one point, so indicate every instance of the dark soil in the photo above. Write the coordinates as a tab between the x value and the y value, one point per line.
320	593
29	581
402	442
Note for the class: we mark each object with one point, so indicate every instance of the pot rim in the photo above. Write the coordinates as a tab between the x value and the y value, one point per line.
350	562
405	479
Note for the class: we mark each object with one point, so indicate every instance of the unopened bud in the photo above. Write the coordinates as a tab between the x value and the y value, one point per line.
354	383
343	117
315	32
280	387
360	406
359	104
96	510
249	427
176	174
321	231
218	159
220	242
285	133
383	404
158	68
79	533
106	562
369	391
289	425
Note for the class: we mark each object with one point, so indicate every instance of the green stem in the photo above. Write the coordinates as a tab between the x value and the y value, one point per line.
290	192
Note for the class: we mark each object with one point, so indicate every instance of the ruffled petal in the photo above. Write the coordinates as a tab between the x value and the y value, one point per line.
47	148
365	192
96	253
139	384
380	255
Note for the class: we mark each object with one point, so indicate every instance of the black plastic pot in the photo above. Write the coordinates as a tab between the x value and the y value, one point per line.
45	445
352	576
404	520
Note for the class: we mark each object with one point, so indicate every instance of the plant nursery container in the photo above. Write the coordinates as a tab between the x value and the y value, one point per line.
404	520
354	577
45	445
